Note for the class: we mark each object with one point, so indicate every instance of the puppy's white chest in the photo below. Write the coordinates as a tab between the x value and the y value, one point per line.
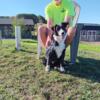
59	49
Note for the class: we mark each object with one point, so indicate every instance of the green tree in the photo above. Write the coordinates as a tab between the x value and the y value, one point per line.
29	16
18	22
41	19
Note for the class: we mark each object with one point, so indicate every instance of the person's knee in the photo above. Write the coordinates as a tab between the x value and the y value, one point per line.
70	36
68	40
42	34
41	29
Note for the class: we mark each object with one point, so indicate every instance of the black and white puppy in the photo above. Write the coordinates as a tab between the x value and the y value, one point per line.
55	53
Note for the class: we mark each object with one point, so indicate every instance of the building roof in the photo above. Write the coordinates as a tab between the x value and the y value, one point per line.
91	27
10	20
5	21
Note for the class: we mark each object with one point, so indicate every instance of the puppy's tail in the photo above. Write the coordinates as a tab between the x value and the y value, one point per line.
44	61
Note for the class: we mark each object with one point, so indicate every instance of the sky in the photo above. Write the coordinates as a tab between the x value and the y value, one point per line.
90	9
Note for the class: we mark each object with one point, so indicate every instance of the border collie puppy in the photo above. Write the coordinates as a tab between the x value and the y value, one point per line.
55	53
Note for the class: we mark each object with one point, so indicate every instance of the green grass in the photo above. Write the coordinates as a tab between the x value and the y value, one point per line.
22	76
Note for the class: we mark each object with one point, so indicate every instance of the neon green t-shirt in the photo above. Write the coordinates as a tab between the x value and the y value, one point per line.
58	13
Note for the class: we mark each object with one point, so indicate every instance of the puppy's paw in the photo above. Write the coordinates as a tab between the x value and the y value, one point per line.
55	68
47	68
61	69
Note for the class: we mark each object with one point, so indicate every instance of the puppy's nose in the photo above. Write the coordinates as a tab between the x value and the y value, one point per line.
62	33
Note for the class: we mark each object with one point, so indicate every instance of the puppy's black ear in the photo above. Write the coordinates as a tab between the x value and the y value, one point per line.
64	24
53	28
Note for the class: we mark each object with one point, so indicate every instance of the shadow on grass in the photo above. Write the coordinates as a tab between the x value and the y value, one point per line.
27	51
86	68
23	50
28	41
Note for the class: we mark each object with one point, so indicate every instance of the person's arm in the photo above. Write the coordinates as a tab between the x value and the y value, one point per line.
48	13
70	12
68	19
49	23
73	19
77	11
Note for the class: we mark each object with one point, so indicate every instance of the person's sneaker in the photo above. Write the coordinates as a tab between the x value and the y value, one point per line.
66	63
71	63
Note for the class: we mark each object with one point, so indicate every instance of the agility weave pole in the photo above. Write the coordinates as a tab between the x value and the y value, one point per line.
0	38
17	37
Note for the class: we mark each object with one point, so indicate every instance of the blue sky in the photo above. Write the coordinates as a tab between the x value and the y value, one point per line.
90	9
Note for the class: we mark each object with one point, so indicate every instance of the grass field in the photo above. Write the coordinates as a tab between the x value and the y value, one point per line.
22	76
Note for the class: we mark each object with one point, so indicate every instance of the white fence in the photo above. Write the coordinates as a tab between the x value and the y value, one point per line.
90	37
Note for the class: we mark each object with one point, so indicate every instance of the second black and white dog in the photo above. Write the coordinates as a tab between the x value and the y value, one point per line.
55	53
